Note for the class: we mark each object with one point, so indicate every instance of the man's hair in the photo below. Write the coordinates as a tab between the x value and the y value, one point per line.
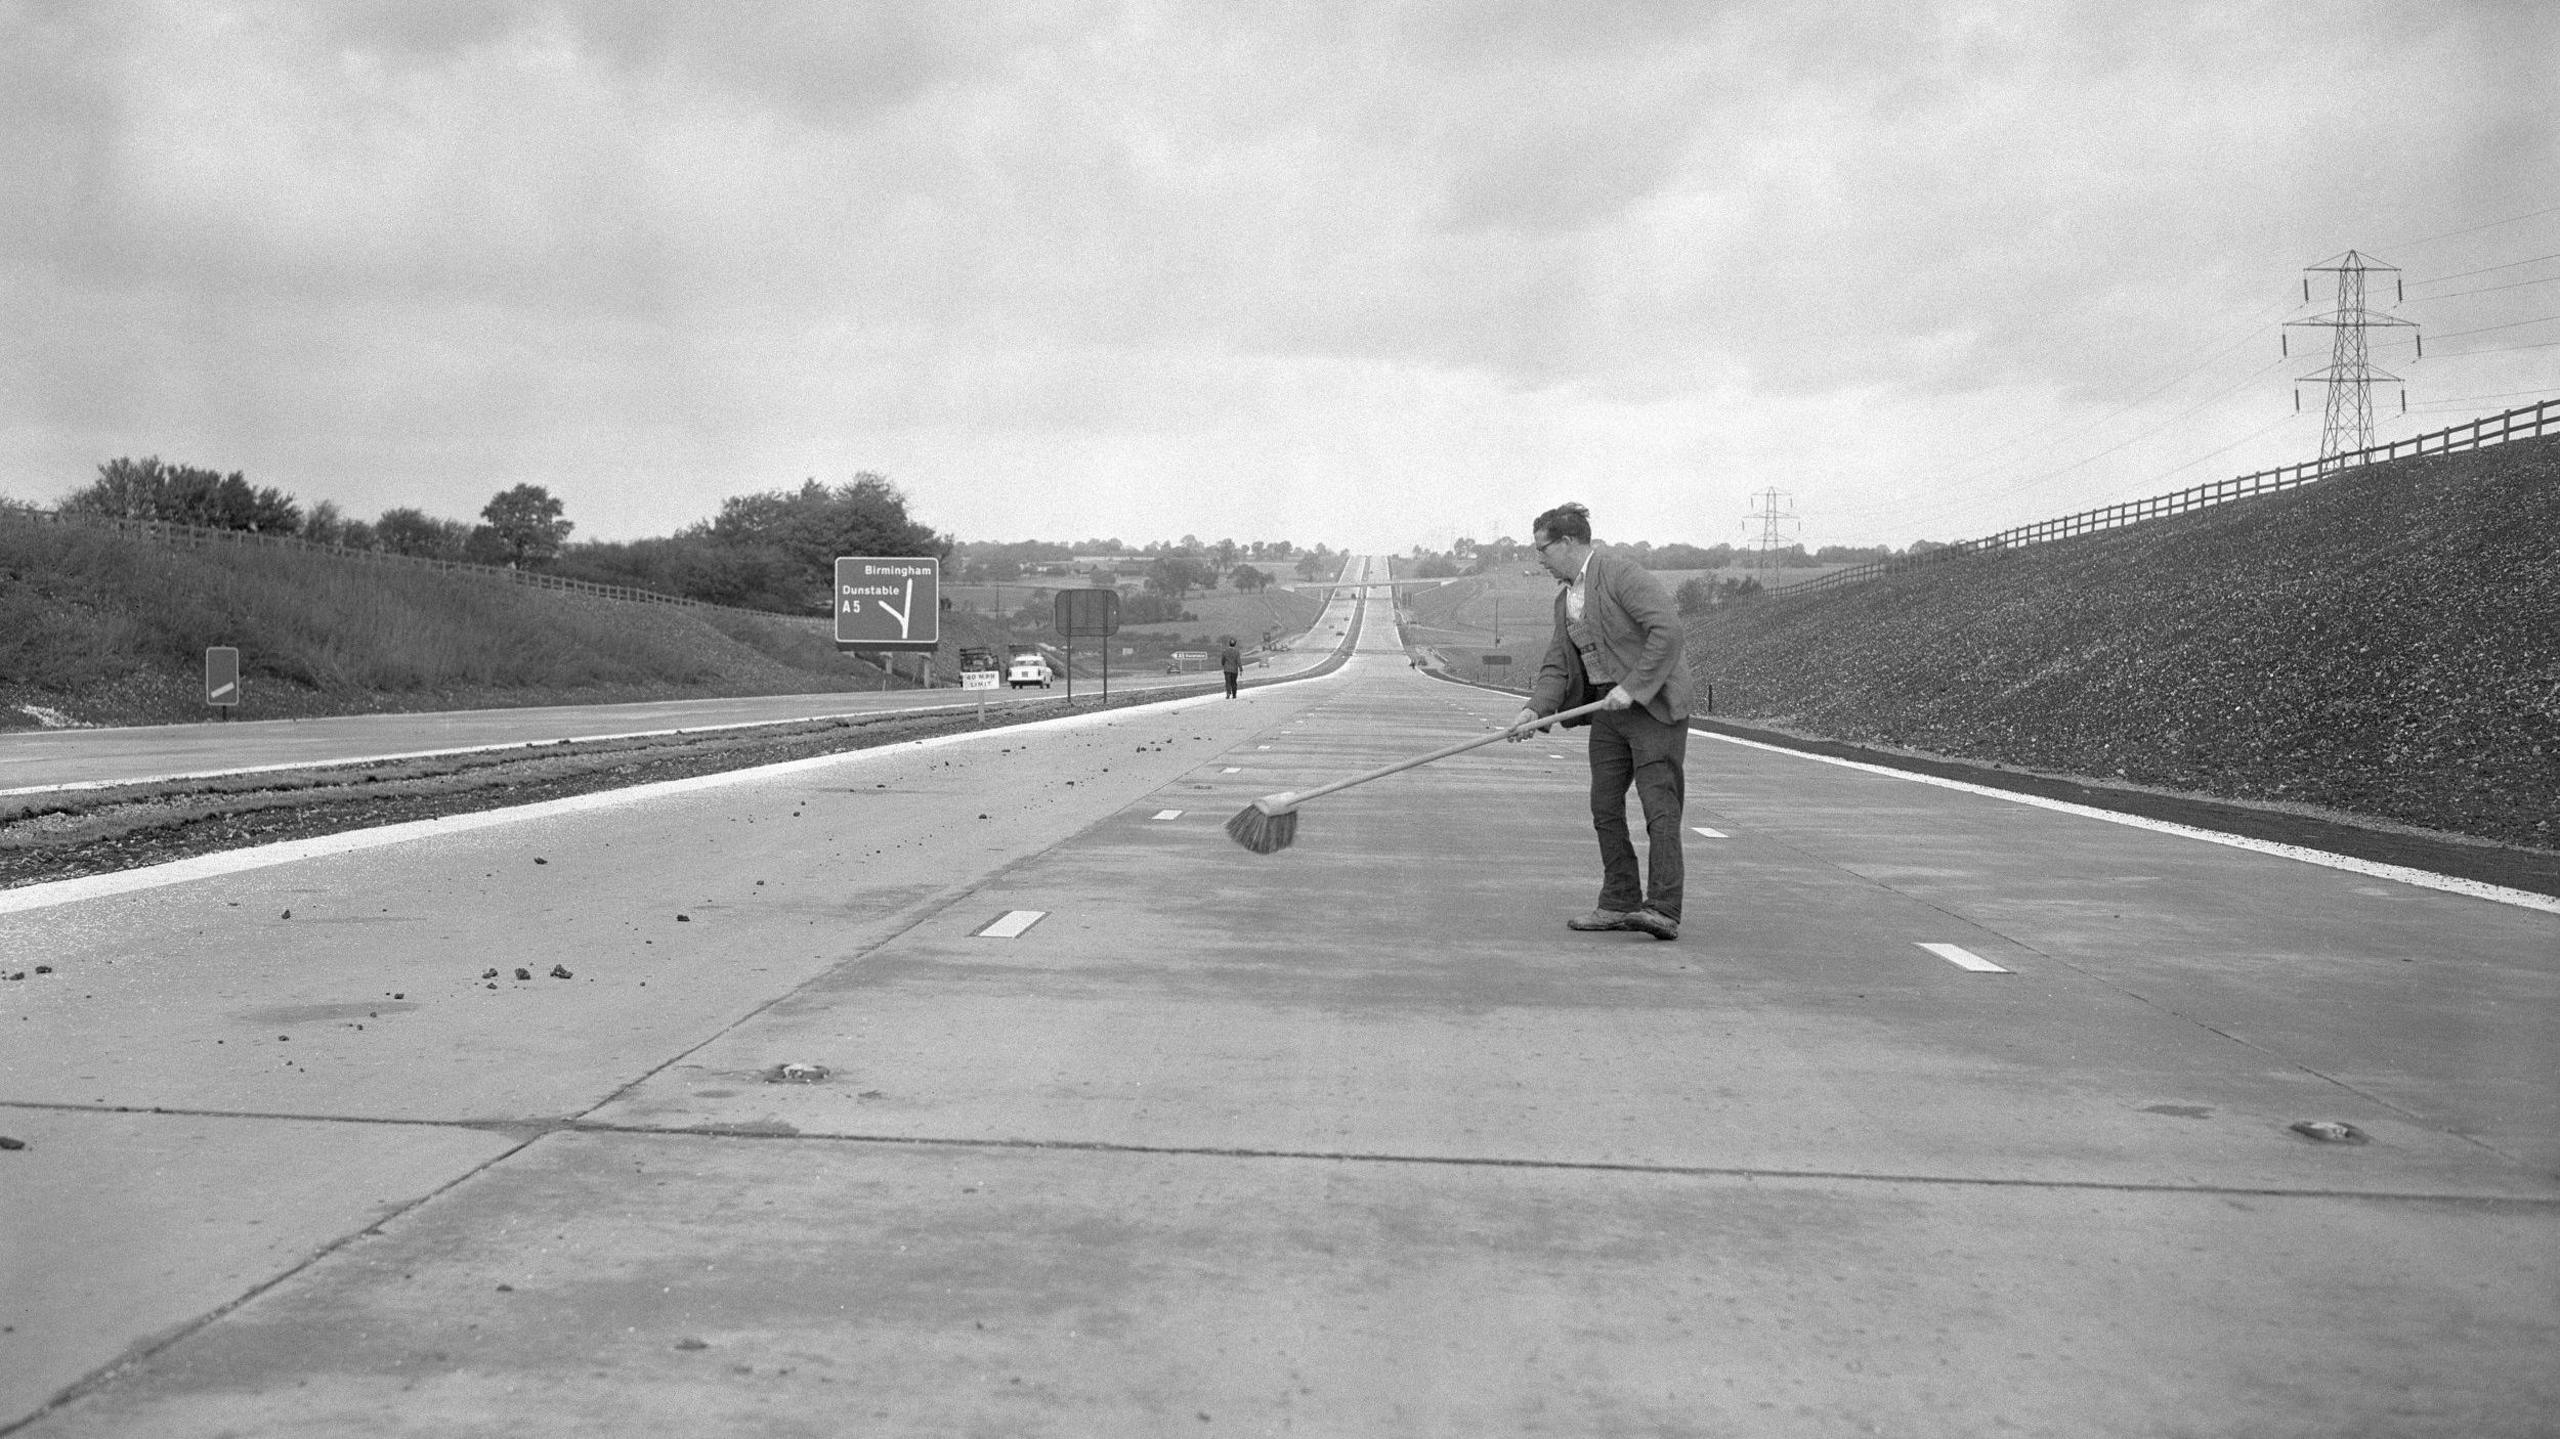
1567	521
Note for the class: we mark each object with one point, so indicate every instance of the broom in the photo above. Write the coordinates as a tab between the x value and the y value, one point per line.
1270	824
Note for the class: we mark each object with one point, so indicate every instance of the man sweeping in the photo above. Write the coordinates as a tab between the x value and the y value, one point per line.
1618	641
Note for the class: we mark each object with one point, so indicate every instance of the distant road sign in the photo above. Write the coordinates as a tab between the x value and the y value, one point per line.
1088	613
1495	659
888	604
222	675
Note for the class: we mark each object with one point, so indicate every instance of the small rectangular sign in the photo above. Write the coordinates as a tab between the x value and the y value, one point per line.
222	675
888	604
1088	613
1497	659
978	679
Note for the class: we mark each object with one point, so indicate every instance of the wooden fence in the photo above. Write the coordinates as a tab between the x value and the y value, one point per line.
178	536
2527	422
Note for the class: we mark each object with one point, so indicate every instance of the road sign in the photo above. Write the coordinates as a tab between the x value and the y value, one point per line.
891	604
1088	613
978	679
1495	659
222	675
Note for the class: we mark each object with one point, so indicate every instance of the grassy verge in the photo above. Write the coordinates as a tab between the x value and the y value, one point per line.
108	629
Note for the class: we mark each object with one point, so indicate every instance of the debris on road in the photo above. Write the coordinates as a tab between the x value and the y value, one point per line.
795	1074
561	971
2329	1131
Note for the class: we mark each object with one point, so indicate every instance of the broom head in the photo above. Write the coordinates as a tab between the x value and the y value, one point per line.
1266	826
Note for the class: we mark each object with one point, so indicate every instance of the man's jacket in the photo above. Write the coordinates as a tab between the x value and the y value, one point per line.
1630	635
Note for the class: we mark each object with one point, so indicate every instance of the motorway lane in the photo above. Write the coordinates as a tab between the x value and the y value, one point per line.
1354	1138
36	760
348	990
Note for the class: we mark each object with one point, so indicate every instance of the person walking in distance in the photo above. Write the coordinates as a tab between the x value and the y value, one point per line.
1618	639
1231	660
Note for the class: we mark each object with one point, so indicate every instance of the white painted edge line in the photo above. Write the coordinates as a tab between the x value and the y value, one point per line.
1710	833
917	712
2424	879
1963	958
1012	923
1168	814
266	856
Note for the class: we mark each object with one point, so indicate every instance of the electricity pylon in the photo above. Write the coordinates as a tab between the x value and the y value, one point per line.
1771	518
2346	426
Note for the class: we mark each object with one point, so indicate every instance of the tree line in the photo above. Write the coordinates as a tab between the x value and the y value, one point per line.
773	550
520	526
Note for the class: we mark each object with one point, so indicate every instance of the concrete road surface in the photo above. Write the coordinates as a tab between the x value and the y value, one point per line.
1111	1128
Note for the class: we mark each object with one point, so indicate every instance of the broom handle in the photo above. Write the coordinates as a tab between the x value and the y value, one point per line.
1447	750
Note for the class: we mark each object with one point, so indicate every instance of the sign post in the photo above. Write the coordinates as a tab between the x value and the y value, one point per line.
222	678
891	605
1088	612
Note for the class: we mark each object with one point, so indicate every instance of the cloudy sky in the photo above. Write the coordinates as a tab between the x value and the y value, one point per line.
1366	273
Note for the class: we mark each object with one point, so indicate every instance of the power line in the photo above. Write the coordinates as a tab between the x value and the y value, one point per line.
2493	289
2444	400
2512	324
2485	269
2499	350
1956	474
2475	229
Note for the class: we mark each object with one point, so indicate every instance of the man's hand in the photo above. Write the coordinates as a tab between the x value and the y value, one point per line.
1519	727
1618	698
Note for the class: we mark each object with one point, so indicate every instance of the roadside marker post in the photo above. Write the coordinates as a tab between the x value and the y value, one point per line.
222	679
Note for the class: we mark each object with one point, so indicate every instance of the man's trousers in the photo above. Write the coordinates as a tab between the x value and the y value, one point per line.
1630	746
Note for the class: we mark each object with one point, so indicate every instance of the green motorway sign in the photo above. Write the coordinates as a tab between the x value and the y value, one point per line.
888	604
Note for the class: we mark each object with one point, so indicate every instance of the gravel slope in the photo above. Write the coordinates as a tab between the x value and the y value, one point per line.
2384	643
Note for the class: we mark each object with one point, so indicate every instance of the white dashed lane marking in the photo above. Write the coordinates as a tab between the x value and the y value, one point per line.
1710	833
1012	923
1231	769
1168	814
1963	958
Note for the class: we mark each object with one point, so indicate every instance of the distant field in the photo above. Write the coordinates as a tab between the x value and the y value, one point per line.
1220	612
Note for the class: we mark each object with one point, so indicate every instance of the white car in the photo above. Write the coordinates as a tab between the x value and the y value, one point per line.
1028	669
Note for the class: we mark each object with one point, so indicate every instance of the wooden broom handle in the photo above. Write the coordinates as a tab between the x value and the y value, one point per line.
1447	750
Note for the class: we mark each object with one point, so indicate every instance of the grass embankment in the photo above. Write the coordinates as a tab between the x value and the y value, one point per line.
105	629
2380	643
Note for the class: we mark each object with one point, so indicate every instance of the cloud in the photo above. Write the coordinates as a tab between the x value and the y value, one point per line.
1324	262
